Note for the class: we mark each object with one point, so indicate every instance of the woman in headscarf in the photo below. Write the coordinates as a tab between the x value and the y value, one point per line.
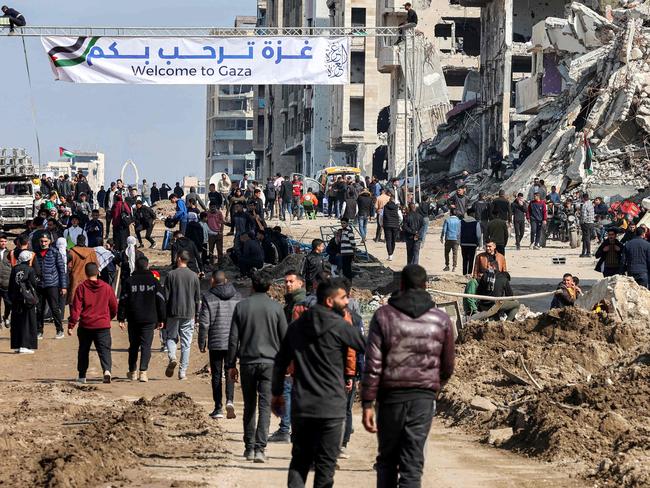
120	218
128	258
24	324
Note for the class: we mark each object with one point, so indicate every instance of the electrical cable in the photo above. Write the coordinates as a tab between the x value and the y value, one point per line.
33	104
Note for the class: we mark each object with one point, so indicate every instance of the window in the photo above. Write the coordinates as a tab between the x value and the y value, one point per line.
358	67
357	109
358	17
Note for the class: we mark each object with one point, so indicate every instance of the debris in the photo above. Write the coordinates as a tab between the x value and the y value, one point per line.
482	404
497	437
626	297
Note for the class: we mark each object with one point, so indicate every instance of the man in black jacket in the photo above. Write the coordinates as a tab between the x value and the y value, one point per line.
144	218
365	204
317	343
142	304
519	207
217	308
16	19
412	226
314	264
182	243
257	329
498	232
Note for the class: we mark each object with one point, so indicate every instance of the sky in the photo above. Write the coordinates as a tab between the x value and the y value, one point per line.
161	128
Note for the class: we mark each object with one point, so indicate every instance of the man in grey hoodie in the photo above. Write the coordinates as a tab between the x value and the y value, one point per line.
217	308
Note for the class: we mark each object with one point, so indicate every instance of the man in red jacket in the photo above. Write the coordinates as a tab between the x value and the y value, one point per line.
409	358
93	306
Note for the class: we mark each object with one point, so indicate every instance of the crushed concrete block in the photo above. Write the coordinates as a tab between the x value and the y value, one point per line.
483	404
629	300
498	437
447	145
613	423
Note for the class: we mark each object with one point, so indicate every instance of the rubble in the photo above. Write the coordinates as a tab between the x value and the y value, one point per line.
625	299
593	120
594	374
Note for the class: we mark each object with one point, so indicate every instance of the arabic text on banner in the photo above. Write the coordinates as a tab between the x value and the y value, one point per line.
211	61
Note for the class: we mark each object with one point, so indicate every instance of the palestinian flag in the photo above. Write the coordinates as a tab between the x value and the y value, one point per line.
64	153
63	56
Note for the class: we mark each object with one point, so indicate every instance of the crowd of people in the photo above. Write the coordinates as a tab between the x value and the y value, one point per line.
303	361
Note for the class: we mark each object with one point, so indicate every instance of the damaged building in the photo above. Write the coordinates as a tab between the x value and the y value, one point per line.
589	97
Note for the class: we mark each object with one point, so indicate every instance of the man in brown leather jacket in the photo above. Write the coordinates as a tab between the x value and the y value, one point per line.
409	358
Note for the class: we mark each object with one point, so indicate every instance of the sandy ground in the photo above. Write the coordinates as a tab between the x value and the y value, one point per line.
453	458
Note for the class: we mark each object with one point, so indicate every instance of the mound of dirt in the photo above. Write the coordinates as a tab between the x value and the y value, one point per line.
572	384
99	442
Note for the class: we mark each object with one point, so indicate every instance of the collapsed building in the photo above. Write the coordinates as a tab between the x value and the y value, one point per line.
589	94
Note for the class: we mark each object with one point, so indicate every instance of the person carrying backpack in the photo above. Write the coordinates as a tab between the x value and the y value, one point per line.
24	300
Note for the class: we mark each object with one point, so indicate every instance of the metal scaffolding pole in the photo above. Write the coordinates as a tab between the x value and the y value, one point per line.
88	31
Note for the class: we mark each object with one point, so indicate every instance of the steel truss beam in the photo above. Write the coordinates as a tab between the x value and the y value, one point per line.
40	31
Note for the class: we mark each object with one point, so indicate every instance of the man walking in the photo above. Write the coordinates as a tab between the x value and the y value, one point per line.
519	210
412	226
52	284
144	218
93	307
536	215
145	191
183	291
587	219
257	329
217	308
142	304
317	343
409	358
451	237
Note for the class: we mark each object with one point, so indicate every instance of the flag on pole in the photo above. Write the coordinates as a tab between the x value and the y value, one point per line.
64	153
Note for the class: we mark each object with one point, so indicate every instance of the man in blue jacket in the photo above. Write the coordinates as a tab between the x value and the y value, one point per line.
181	211
451	237
637	258
52	284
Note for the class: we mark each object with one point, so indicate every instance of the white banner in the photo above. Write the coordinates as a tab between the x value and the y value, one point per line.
208	61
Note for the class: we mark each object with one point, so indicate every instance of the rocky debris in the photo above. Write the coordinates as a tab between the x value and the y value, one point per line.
164	209
591	410
482	404
621	295
595	131
498	437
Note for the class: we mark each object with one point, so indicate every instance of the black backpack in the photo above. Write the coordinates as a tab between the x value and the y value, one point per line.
27	292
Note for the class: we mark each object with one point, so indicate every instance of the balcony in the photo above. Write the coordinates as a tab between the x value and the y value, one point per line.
233	135
234	96
388	59
234	114
235	157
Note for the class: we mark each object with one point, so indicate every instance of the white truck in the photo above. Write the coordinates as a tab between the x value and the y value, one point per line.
18	184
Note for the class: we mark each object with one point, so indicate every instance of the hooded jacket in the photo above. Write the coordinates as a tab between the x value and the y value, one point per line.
217	308
77	260
317	343
410	349
93	306
391	218
142	300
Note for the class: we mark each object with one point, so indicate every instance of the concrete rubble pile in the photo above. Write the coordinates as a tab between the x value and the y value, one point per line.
594	132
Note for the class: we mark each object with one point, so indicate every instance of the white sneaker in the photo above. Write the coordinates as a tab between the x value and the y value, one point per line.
81	381
390	257
107	376
24	350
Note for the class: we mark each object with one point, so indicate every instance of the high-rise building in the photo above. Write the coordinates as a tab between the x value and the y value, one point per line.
356	106
231	110
447	39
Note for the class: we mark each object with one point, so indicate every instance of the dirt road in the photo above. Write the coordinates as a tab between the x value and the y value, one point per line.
43	381
44	440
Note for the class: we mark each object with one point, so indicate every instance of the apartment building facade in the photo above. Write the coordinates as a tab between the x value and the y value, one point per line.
231	111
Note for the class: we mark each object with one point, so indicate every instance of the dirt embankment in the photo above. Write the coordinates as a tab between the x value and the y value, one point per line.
69	436
572	385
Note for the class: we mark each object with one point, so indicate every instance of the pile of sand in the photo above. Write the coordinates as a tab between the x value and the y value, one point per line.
571	384
69	437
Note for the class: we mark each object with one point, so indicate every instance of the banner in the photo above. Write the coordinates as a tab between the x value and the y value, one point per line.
207	61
